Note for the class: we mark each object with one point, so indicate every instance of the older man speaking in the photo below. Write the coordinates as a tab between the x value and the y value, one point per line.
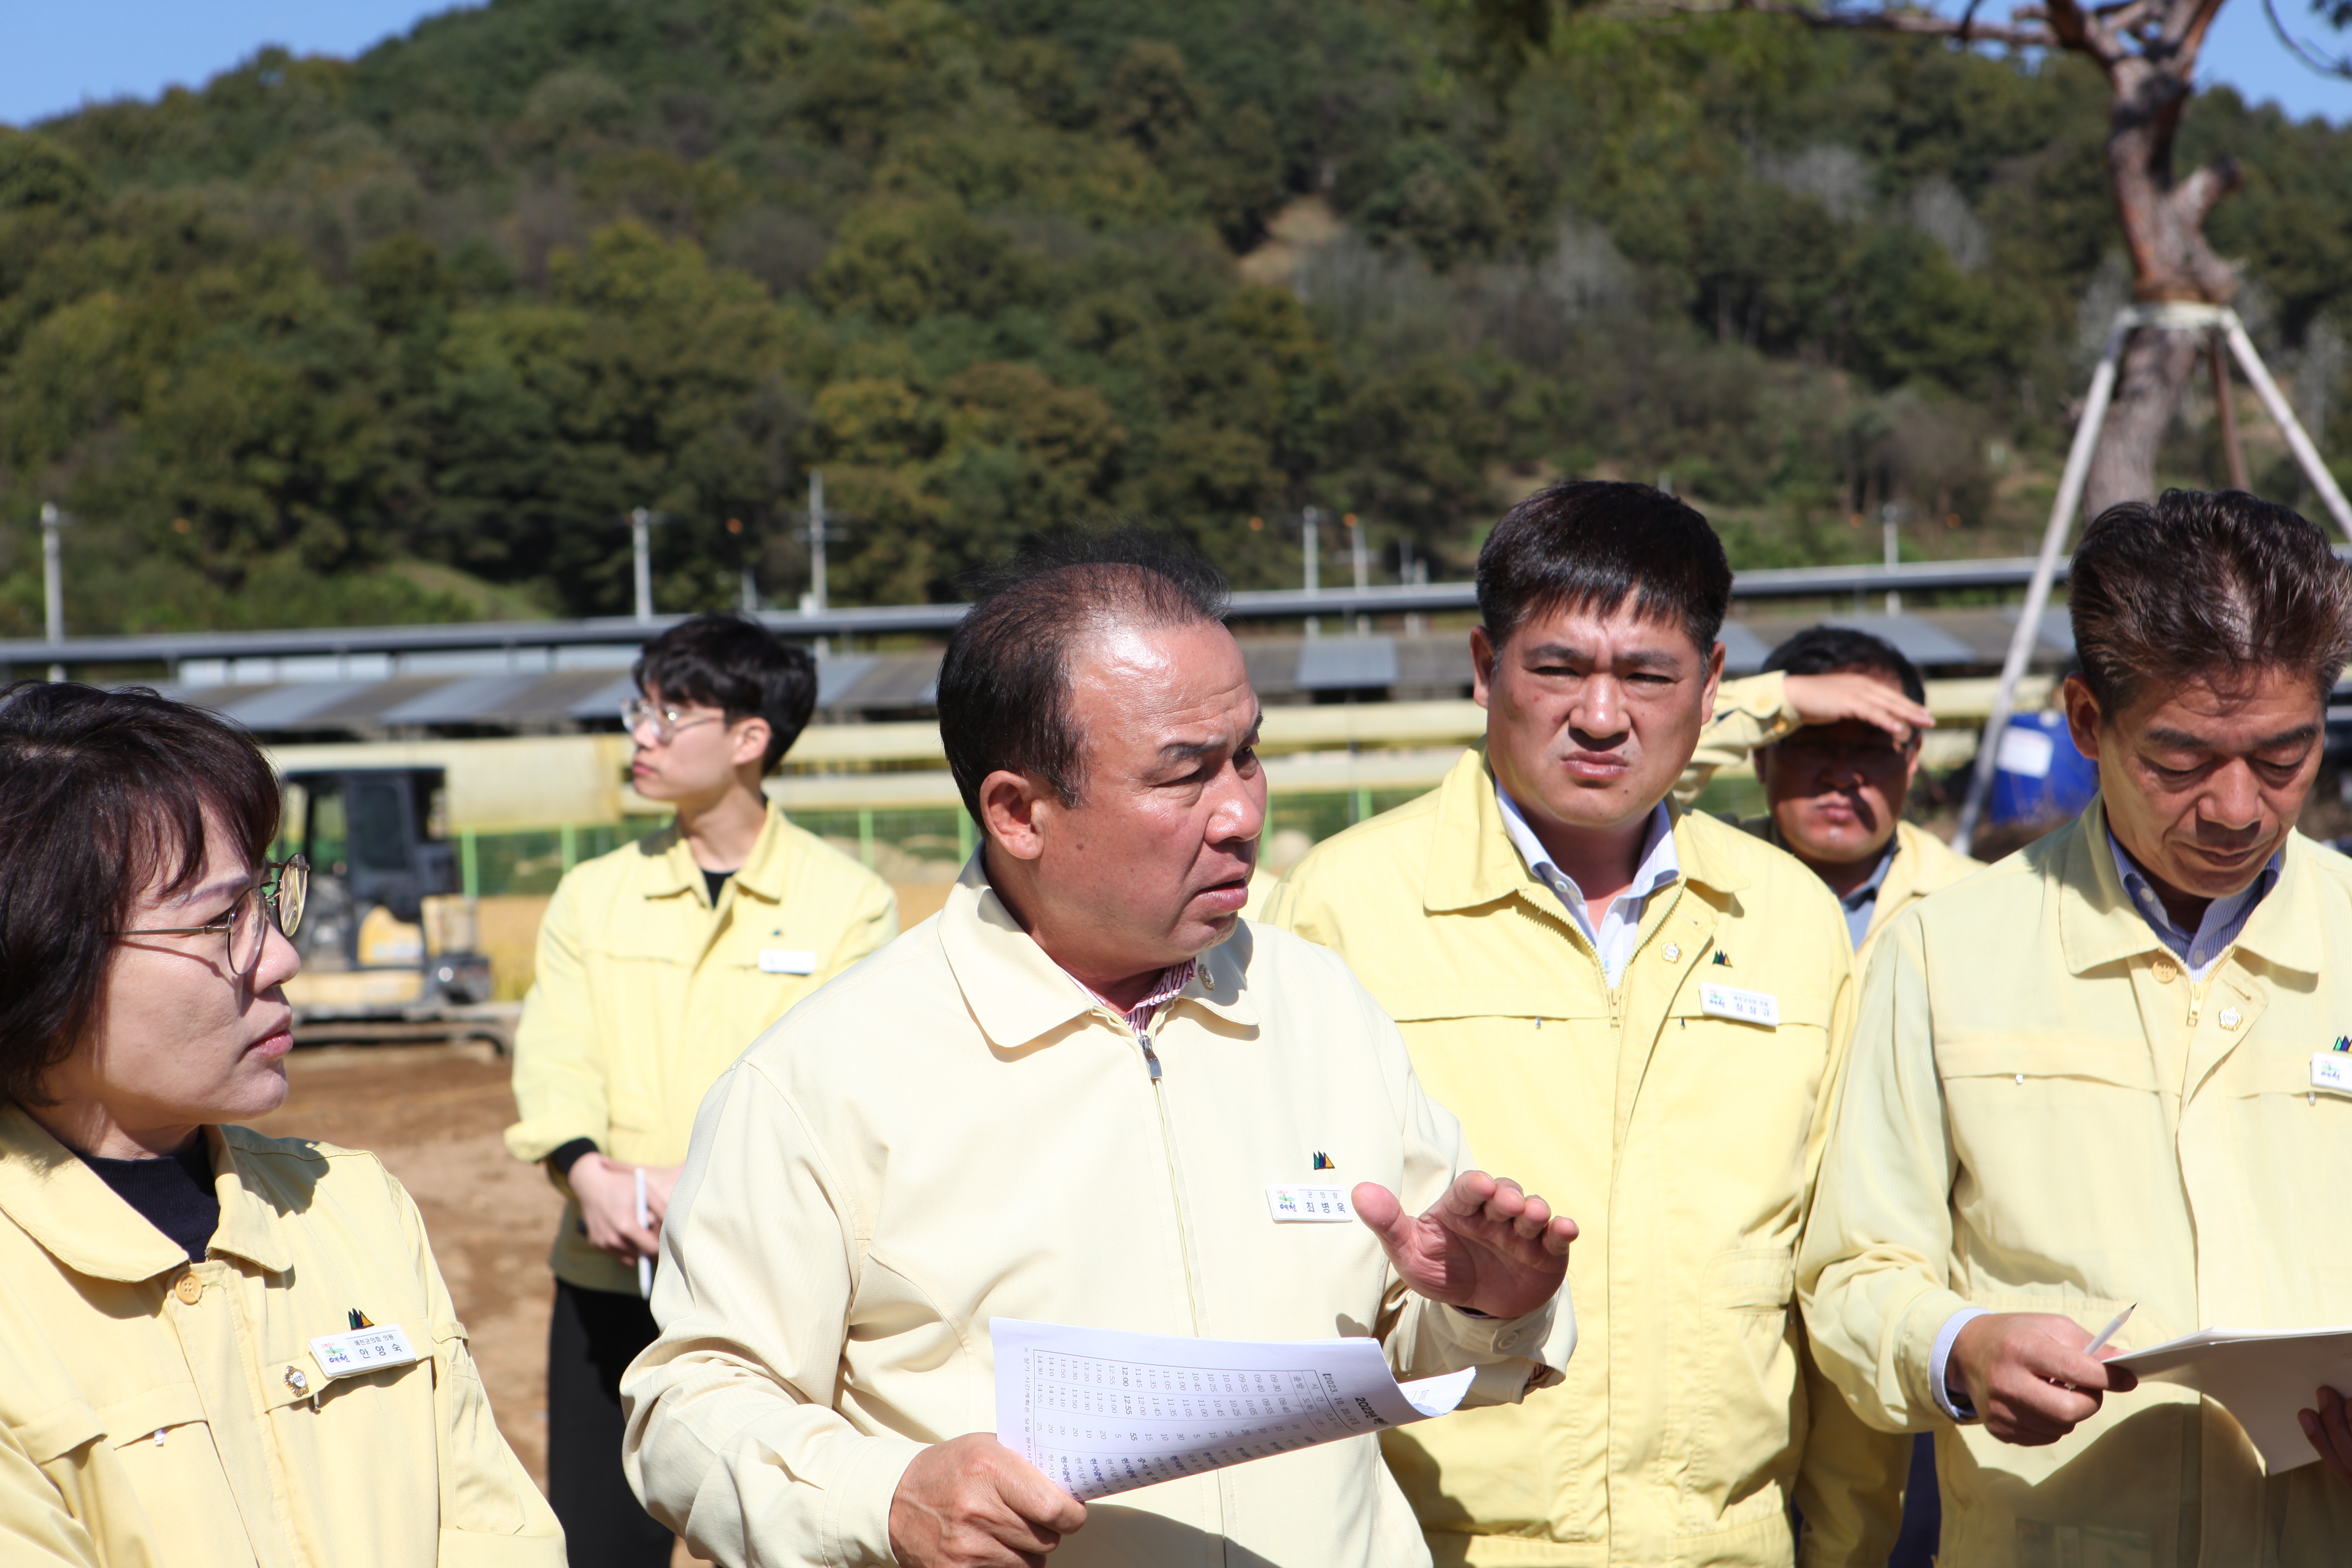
1063	1100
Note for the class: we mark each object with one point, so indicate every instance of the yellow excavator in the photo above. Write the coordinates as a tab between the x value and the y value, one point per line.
390	945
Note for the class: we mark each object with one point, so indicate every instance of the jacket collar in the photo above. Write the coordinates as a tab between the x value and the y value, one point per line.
60	1203
1473	862
1018	994
2098	924
670	868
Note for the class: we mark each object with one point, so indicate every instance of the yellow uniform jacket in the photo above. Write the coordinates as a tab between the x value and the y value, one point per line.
2044	1113
1682	1142
954	1132
644	994
159	1413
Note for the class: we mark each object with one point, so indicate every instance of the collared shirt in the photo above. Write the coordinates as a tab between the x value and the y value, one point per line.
161	1412
1862	905
953	1132
1621	927
1173	981
2200	949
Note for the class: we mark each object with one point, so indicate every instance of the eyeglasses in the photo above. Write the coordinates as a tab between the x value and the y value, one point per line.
275	899
666	720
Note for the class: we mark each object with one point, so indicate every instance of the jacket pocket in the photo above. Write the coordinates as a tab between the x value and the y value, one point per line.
1741	1367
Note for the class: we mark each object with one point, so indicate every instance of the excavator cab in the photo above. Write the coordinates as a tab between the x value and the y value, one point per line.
387	935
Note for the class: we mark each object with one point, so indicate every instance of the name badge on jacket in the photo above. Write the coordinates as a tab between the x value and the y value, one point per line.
787	960
1292	1204
362	1350
1742	1006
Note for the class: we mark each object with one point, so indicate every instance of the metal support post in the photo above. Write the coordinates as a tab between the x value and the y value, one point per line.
2282	413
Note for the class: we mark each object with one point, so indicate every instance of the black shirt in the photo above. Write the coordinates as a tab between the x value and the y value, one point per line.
716	881
174	1196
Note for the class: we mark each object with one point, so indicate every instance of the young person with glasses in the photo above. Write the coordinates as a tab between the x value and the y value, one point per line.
657	964
210	1341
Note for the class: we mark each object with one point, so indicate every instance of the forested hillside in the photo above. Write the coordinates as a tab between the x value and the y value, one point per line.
404	337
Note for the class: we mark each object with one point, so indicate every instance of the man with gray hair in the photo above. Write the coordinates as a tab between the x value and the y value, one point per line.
2096	1079
1064	1099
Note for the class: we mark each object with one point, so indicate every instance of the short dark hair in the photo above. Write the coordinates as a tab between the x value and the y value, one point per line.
734	664
1828	650
102	795
1004	683
2199	582
1593	544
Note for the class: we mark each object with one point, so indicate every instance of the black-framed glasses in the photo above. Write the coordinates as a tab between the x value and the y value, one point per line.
275	899
666	720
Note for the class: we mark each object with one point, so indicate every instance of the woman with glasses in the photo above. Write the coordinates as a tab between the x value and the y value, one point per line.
214	1346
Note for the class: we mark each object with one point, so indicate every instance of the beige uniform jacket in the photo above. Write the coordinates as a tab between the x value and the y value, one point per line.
1754	712
2045	1114
954	1132
1683	1144
644	994
150	1412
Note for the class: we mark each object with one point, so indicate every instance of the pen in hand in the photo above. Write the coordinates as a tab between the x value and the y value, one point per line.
645	1265
2096	1346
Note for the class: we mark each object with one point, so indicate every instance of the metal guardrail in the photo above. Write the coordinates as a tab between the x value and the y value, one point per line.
884	620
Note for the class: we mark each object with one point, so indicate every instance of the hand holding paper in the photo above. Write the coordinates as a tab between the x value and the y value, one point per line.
1484	1245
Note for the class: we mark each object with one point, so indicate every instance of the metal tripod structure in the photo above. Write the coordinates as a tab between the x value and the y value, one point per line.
2167	316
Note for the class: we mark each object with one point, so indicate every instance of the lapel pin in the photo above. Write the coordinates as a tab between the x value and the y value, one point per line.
1723	958
1323	1162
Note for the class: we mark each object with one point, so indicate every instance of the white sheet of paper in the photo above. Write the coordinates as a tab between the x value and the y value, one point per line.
2260	1376
1103	1412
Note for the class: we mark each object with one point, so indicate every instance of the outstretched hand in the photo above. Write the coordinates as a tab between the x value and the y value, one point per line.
1484	1245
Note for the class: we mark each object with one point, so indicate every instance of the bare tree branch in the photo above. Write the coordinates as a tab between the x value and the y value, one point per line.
1916	24
2340	66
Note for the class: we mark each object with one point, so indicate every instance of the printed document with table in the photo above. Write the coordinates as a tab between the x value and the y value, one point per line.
1104	1411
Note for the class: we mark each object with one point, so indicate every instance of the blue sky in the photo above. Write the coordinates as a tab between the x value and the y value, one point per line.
57	55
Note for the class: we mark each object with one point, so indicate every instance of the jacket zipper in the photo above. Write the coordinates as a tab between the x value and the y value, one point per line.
1175	1185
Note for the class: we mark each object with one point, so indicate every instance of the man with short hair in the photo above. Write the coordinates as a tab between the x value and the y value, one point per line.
1063	1100
1832	724
1648	1008
658	963
2083	1081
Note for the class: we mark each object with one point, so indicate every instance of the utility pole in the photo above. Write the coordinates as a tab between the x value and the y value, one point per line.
750	589
52	583
1410	571
1310	530
641	544
1891	520
1359	545
816	541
